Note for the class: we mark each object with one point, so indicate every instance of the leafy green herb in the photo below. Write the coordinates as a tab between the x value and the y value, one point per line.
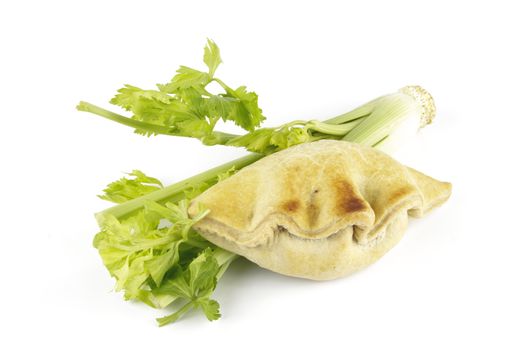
212	56
185	107
125	189
156	257
195	284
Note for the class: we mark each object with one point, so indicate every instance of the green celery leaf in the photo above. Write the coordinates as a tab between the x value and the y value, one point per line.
138	249
125	189
143	178
219	106
269	140
177	286
289	137
197	128
192	97
210	308
257	141
129	96
158	267
195	284
186	77
246	112
203	271
184	106
153	107
212	56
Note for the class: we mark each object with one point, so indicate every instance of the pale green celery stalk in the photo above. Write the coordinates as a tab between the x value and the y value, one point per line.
175	192
217	136
345	124
224	259
370	124
333	129
393	118
162	321
357	113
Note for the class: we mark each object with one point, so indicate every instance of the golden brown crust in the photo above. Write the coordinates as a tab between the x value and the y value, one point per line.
318	210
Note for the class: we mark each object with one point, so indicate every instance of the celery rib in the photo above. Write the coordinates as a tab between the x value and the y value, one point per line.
175	192
216	137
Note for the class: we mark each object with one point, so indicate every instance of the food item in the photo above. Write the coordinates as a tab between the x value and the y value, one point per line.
155	255
147	241
186	107
320	210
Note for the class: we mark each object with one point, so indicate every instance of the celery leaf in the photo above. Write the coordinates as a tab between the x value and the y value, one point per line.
125	189
212	56
184	106
194	284
154	254
269	140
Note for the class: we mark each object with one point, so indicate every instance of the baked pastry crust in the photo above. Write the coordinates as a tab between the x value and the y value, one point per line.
319	210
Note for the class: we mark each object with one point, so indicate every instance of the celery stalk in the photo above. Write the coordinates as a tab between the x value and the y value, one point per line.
370	124
393	117
175	192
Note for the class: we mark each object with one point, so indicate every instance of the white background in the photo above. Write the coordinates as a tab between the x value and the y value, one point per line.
454	281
